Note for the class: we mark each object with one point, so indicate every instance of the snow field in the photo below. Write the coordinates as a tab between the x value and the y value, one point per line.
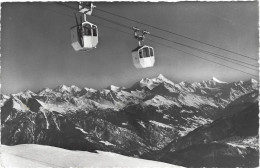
32	156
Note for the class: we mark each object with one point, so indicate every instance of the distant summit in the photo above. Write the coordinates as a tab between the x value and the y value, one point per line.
216	80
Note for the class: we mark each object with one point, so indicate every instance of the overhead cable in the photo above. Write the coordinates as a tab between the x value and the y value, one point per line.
109	20
174	33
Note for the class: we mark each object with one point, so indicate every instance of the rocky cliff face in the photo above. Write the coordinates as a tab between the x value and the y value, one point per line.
152	115
231	140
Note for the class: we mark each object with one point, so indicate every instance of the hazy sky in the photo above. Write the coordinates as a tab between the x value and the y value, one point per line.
37	53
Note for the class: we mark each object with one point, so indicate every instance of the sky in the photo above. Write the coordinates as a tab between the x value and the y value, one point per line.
36	49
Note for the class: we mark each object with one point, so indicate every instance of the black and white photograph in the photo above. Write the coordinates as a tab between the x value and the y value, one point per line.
134	84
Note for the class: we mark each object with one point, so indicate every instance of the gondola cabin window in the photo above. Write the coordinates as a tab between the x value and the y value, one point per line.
87	30
140	53
94	28
151	52
146	52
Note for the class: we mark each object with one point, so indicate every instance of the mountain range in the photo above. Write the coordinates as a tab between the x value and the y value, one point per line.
207	123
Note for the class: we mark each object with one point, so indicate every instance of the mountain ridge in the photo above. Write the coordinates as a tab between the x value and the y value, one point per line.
159	78
131	121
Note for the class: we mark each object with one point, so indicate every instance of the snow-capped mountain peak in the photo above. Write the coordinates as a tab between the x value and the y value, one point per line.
29	92
216	80
183	83
25	94
114	88
160	76
148	83
253	80
46	90
75	88
4	96
90	89
62	88
145	80
151	83
161	79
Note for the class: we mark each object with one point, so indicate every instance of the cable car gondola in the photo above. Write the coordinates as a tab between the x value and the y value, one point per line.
84	36
143	55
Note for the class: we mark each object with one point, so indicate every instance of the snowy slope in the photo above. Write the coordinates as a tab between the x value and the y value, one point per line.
32	156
